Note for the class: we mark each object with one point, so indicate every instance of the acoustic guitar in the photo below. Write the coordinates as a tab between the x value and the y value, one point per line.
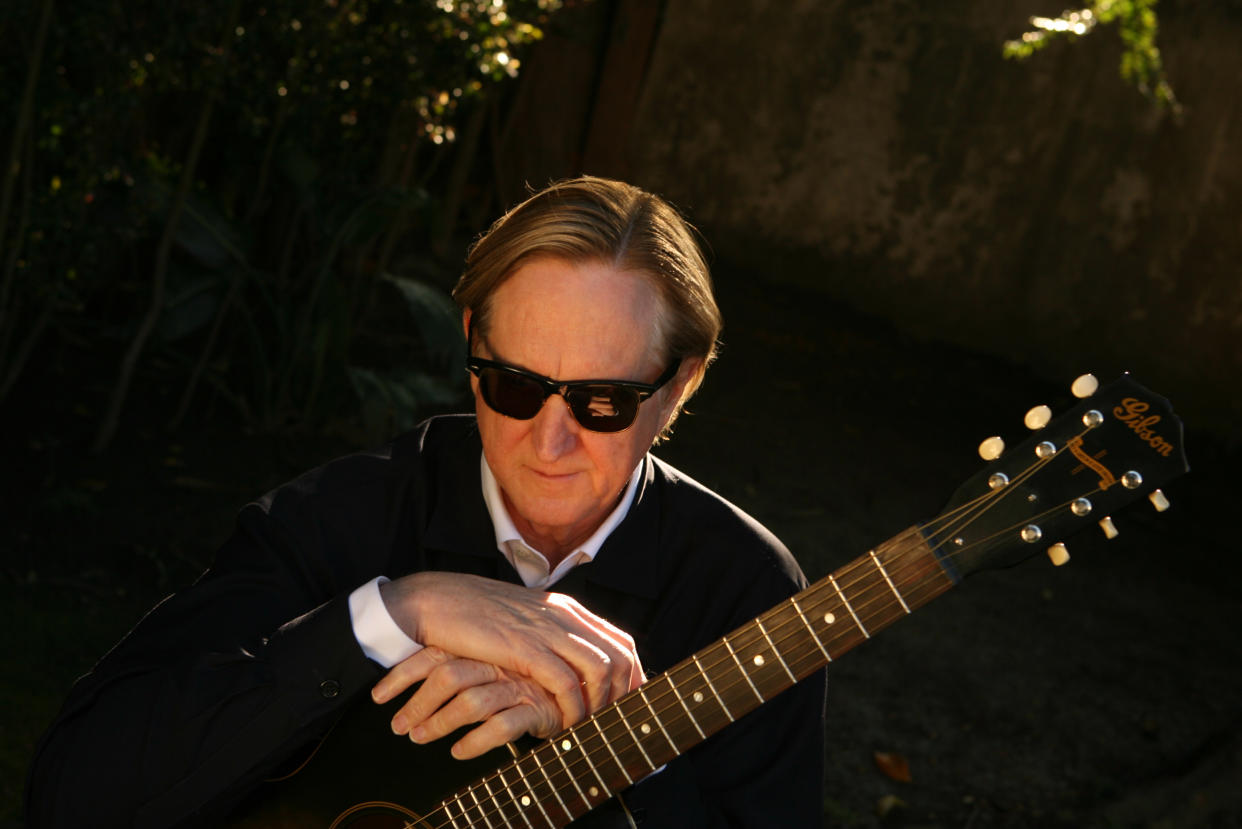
1119	444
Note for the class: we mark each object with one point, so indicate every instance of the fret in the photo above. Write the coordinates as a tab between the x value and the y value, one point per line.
794	601
496	801
608	746
660	725
478	807
555	789
791	640
524	802
775	652
709	715
448	810
586	755
630	731
708	680
761	667
891	586
534	794
677	693
560	750
846	602
742	668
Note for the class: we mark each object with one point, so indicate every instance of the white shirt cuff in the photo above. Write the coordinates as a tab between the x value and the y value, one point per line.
378	635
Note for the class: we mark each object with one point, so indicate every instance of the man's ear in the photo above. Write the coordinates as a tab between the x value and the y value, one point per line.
688	372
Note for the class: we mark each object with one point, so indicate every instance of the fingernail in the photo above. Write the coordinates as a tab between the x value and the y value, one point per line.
418	735
399	724
379	693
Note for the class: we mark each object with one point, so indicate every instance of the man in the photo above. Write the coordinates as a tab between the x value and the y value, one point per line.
590	320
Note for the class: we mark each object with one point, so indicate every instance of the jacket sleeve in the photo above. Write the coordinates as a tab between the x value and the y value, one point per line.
208	694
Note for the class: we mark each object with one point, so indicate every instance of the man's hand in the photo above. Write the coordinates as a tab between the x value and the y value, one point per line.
457	692
583	661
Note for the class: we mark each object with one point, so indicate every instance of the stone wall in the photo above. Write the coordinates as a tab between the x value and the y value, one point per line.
884	153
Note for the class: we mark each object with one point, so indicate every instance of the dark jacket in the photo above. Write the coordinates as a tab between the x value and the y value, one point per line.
222	685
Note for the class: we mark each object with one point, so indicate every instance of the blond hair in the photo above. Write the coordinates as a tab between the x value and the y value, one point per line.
597	219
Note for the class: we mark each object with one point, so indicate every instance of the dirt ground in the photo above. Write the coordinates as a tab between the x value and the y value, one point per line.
1104	693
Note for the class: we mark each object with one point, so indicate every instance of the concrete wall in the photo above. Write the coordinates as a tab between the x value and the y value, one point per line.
885	153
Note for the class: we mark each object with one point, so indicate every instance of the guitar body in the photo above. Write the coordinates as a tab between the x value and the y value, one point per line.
360	775
379	816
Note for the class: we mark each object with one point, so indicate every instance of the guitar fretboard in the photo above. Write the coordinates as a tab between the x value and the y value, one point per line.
619	745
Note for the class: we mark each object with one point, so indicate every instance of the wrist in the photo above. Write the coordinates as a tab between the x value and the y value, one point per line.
402	599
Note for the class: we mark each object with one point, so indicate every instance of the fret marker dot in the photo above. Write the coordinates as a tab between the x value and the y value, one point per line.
525	800
593	792
646	729
759	659
566	745
698	696
829	618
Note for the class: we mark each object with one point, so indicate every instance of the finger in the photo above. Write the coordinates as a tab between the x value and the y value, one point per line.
408	671
480	702
562	682
506	726
549	637
625	668
457	676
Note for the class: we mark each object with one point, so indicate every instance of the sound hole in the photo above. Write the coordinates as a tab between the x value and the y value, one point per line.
379	816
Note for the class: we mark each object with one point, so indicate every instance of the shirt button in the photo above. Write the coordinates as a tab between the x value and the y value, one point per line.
329	688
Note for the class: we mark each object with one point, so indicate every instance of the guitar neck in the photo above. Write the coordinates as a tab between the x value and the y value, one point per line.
588	763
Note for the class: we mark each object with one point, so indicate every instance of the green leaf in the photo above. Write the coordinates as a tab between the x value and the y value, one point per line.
436	316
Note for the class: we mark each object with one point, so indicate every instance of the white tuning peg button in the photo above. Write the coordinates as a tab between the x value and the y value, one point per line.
1037	418
1158	500
1058	553
1084	386
991	448
1109	528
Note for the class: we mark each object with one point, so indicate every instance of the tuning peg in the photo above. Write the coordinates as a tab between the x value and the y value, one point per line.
1158	500
1084	386
991	448
1109	528
1058	553
1037	418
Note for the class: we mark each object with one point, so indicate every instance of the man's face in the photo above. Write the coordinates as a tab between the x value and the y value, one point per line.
566	321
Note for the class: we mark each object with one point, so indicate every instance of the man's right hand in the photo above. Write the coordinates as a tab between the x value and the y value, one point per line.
456	692
582	660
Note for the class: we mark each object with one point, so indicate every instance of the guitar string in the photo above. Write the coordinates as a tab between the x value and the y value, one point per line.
984	502
653	704
775	638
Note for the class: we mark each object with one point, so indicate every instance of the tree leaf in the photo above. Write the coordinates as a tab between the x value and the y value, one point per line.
893	766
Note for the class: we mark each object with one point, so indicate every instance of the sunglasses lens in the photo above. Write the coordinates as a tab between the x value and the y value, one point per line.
603	408
600	407
511	394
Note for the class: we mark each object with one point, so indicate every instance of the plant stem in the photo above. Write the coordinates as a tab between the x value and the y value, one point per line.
20	128
159	275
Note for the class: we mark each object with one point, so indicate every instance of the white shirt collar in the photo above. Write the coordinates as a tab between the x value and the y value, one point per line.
531	564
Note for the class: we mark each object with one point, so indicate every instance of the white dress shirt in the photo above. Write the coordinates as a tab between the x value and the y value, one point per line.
384	642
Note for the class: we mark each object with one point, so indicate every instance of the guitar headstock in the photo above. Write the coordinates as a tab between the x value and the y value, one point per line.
1117	446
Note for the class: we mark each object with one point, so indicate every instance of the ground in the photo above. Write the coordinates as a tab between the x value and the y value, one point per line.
1101	693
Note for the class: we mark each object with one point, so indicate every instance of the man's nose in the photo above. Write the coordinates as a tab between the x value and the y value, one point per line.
554	431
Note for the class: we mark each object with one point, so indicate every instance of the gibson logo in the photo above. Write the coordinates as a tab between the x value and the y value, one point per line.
1130	412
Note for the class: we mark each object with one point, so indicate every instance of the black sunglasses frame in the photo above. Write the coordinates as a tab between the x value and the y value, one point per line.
549	387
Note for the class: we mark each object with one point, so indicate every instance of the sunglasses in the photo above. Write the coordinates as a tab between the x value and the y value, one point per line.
597	405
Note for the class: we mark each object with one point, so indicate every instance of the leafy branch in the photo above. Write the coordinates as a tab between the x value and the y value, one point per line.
1137	24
